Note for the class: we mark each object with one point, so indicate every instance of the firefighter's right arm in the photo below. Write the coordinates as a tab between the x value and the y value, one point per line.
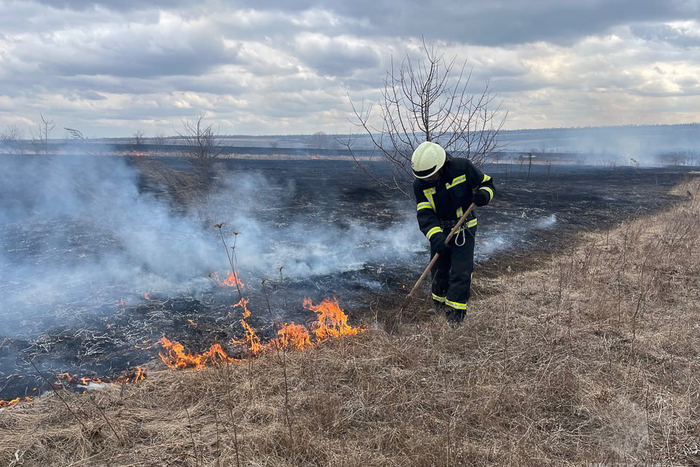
428	220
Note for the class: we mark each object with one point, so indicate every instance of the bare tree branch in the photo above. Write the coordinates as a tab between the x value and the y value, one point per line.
12	140
203	144
41	138
429	101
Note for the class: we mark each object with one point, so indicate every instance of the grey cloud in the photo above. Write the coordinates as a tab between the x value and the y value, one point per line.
28	17
139	55
335	56
120	5
666	33
90	96
102	65
497	22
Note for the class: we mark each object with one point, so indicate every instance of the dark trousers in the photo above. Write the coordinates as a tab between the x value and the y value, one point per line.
452	274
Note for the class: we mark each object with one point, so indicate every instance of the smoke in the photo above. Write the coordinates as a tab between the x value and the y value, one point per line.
308	242
646	145
78	233
512	234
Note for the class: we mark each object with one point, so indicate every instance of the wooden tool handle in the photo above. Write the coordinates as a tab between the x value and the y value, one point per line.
437	255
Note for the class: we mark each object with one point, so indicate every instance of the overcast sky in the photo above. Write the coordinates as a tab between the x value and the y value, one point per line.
287	66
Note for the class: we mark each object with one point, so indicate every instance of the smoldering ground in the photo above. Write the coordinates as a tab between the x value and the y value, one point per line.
83	238
82	233
78	234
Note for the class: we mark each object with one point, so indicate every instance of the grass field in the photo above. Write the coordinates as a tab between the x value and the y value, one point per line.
591	358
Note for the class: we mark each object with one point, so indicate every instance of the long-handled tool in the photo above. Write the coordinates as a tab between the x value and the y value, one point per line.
435	258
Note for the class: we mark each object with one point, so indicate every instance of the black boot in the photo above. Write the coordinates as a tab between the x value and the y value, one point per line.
437	308
454	316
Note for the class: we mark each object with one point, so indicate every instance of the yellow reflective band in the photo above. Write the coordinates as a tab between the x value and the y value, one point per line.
460	211
467	225
433	231
429	195
456	305
424	205
486	178
456	181
488	190
438	298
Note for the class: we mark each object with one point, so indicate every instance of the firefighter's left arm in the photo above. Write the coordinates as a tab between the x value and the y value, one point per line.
482	184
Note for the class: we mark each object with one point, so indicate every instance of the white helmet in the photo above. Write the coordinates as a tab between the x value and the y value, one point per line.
427	159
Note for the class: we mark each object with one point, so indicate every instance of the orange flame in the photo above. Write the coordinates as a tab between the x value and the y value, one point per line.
231	280
147	296
67	378
133	376
178	358
331	321
243	303
17	400
130	376
251	339
293	336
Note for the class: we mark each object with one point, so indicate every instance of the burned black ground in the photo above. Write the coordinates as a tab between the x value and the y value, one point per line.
535	213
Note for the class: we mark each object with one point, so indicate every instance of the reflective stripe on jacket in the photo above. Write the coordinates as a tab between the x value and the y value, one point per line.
448	198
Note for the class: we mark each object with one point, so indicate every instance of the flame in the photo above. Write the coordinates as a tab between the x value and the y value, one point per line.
293	336
17	400
178	358
251	339
121	302
243	303
331	320
74	380
192	322
147	296
132	376
231	280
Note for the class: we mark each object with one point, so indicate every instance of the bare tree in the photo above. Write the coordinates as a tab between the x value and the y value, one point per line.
203	144
159	139
138	138
530	156
318	140
12	139
157	142
428	100
41	138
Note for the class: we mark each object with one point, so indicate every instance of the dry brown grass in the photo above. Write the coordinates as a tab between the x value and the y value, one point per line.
592	358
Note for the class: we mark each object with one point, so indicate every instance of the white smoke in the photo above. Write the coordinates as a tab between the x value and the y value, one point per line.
77	229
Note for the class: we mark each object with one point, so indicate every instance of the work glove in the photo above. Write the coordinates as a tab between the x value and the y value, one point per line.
481	198
437	242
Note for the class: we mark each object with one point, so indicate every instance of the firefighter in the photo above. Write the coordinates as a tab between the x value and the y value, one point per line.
444	189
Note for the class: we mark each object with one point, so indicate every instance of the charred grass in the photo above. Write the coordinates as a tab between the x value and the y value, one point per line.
592	358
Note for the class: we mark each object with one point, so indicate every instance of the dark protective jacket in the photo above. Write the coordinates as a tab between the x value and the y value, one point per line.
445	200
